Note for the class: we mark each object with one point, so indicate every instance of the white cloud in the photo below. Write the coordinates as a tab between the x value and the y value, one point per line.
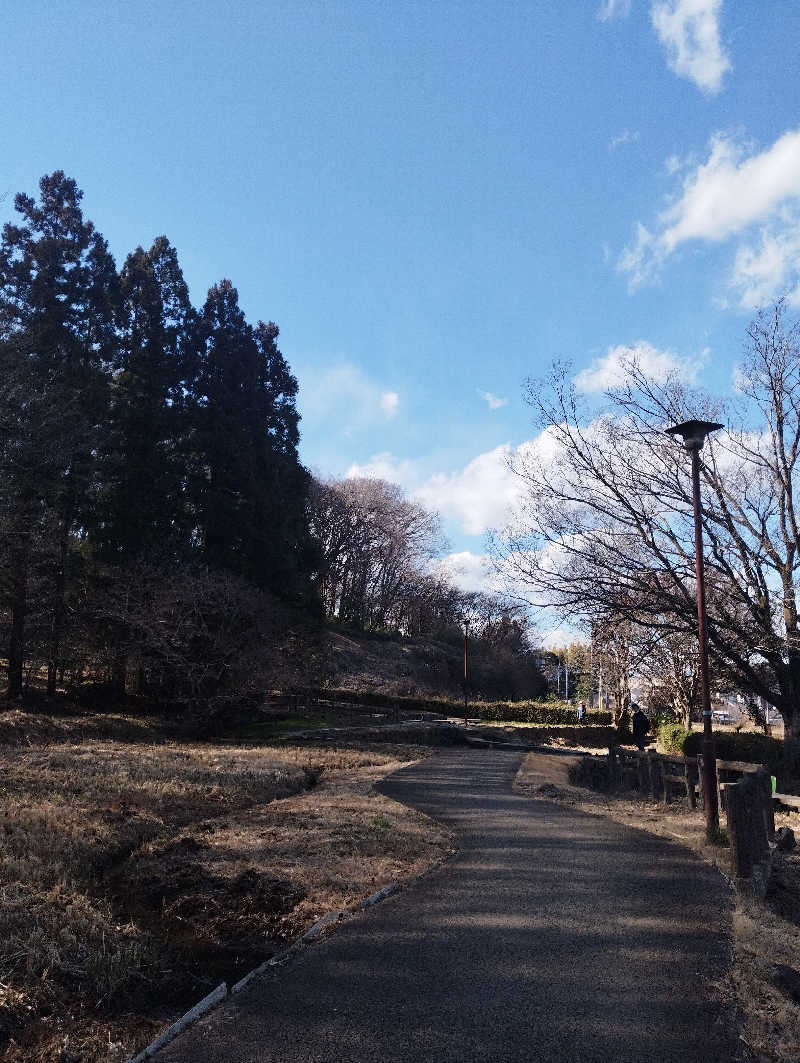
470	572
729	192
485	493
390	401
689	32
720	198
768	266
479	495
610	370
611	9
494	402
385	466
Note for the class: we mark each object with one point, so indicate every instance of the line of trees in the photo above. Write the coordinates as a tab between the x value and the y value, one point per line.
158	532
605	530
149	479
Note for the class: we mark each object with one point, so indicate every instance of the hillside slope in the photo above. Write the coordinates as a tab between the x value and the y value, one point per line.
426	666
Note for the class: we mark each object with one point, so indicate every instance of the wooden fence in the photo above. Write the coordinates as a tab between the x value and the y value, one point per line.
658	775
745	795
663	776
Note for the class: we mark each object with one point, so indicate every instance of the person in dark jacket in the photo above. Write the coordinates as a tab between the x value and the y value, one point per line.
640	725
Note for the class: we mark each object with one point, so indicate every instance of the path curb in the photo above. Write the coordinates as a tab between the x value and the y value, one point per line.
206	1004
223	992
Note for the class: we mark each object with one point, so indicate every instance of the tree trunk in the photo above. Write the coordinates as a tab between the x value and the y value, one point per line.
19	612
57	622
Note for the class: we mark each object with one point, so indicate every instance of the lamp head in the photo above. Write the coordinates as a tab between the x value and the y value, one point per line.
694	433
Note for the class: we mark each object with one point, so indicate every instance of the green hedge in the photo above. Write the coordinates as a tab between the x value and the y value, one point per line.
553	713
748	746
544	712
575	734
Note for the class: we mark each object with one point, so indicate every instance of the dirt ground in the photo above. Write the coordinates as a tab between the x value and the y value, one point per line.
765	934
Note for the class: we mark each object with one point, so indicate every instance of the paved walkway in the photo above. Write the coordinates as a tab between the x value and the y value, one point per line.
551	936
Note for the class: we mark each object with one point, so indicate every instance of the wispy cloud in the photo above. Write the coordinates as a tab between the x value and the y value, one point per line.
610	371
493	401
347	392
720	198
389	402
625	137
689	32
611	9
768	265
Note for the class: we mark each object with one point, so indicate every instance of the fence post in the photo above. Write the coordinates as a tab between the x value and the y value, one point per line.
691	770
741	858
644	767
612	767
763	786
701	775
657	776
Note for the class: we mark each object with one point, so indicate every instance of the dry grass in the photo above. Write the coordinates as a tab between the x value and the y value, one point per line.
761	936
134	874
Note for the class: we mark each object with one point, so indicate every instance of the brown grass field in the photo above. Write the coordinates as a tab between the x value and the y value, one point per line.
138	871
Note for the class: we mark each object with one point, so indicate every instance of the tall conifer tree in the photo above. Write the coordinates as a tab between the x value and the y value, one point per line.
144	506
58	289
252	489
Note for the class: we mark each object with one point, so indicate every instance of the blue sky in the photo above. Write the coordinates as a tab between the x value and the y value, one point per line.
434	200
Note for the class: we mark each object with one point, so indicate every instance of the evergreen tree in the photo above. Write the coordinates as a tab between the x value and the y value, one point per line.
144	506
250	489
58	290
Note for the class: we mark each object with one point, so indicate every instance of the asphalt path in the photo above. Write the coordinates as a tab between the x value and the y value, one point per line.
551	936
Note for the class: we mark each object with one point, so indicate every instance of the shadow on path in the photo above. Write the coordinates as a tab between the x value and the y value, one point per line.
549	936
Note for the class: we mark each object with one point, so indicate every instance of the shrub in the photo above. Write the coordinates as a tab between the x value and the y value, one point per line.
748	746
671	737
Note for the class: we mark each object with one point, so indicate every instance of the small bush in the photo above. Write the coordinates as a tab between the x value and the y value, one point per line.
590	772
671	737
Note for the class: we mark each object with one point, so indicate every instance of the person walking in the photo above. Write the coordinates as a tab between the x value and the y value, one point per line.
582	712
640	725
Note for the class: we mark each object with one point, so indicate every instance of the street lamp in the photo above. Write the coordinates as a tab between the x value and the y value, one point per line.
466	635
694	435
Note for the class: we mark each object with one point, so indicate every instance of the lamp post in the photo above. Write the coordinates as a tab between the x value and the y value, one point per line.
466	636
694	435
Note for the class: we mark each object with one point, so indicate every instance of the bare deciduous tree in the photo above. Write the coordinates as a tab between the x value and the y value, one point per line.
606	522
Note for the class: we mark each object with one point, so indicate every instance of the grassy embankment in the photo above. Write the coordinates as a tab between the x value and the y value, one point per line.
137	870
